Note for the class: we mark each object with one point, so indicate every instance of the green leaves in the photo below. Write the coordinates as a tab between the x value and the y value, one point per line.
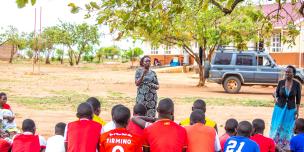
74	9
22	3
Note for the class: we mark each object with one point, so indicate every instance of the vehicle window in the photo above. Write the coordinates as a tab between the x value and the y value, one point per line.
223	58
244	60
264	61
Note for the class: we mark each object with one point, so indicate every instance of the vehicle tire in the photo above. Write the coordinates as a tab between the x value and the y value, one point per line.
232	84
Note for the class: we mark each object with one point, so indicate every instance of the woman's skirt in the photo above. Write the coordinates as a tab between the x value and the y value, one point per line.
282	124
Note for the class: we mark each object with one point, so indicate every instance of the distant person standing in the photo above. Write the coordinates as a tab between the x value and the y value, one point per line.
147	84
286	109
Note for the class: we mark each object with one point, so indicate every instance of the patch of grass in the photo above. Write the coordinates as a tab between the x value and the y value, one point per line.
87	68
229	101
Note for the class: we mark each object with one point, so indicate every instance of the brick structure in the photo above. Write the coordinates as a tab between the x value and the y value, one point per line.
5	51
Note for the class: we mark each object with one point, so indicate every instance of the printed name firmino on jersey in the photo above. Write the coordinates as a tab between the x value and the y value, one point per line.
118	141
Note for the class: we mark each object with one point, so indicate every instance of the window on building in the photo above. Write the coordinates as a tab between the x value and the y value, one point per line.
276	43
244	60
222	58
167	52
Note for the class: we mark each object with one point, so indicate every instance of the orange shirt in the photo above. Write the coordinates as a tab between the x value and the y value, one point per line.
165	136
201	138
120	140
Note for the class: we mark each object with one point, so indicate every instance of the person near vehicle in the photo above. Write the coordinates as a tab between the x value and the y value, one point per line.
147	84
286	109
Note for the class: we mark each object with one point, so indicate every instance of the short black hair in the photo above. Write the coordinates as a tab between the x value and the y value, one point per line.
28	125
94	102
197	116
231	125
294	70
140	109
199	104
258	125
244	129
85	110
165	106
141	62
121	115
300	125
114	107
59	128
2	94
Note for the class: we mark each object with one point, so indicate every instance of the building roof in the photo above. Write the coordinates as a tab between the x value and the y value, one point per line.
288	13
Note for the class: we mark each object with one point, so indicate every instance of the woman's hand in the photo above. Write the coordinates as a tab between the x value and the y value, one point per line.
296	114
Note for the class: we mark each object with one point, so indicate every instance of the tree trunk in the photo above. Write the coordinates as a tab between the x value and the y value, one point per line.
12	55
99	59
47	58
61	59
201	72
70	53
78	58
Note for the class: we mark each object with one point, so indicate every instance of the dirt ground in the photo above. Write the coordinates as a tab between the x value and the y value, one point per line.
101	80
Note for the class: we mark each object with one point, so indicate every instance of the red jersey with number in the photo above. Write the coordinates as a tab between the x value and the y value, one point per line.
120	140
165	136
82	135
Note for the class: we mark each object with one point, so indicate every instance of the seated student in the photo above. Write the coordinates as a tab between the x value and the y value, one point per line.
199	104
266	144
297	142
165	135
120	139
82	135
241	142
230	128
56	143
94	102
110	125
201	137
5	145
4	105
28	141
138	110
8	119
3	101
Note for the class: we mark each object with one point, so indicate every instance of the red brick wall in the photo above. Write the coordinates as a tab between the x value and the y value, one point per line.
288	58
5	52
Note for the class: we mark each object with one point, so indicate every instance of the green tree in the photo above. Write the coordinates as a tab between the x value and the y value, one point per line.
110	52
60	54
100	54
181	23
51	36
12	36
132	54
86	36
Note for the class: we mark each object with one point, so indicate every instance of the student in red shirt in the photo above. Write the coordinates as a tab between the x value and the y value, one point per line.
120	139
82	135
230	127
266	144
165	135
28	141
138	110
3	101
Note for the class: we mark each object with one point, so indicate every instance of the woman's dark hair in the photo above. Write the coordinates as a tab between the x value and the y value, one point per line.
141	62
294	70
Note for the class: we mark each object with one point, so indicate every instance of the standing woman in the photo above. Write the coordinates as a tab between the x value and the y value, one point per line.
286	109
147	84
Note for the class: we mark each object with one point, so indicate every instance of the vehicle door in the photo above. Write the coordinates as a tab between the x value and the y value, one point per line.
267	72
245	65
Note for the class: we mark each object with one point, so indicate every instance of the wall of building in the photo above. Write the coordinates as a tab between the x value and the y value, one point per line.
5	52
289	58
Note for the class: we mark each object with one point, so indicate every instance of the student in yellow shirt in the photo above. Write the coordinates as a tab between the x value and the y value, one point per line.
94	102
201	105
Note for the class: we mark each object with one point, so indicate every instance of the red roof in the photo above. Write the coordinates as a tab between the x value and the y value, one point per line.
287	13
